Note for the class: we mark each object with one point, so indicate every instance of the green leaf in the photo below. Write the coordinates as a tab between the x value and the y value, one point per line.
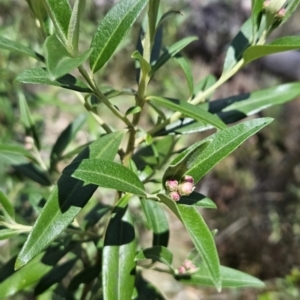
182	162
59	62
65	138
257	8
155	154
7	207
157	253
106	174
8	233
185	66
157	221
34	172
112	29
200	235
133	110
145	66
252	103
60	14
41	76
15	154
32	272
66	200
230	278
196	199
17	47
205	83
27	120
169	14
56	275
222	144
171	52
238	45
74	26
189	110
118	256
286	43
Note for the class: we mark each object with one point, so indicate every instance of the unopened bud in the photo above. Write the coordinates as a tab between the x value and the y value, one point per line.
174	196
281	13
185	188
188	178
28	142
188	265
274	6
181	270
171	185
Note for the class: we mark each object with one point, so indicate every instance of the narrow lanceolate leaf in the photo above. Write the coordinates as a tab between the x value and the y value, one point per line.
8	233
230	278
106	174
257	7
7	207
185	66
222	144
286	43
196	199
59	62
66	200
41	76
156	221
60	14
200	235
190	110
15	154
32	272
251	103
157	253
118	266
74	26
171	52
27	120
182	162
112	29
238	45
17	47
65	138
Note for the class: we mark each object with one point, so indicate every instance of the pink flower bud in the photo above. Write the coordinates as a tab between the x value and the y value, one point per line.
185	188
187	178
188	265
174	196
281	13
171	185
266	3
181	270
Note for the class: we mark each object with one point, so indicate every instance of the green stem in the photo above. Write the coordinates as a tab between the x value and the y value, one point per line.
102	98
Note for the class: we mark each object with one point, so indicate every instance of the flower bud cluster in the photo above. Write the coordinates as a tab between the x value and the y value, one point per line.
186	267
275	7
177	189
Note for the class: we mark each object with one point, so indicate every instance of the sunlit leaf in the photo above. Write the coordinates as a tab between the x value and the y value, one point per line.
17	47
112	29
118	256
189	110
66	200
106	174
230	278
200	235
41	76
